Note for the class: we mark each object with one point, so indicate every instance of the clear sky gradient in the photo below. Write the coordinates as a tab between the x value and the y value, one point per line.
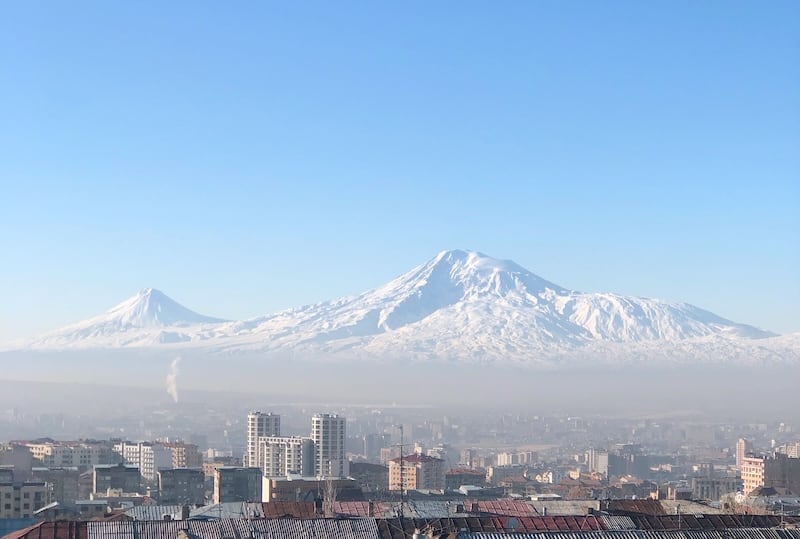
246	157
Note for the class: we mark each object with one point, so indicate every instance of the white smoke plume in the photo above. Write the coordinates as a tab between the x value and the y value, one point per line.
172	379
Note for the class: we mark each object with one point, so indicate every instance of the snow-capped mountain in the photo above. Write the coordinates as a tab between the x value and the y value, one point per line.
145	318
458	305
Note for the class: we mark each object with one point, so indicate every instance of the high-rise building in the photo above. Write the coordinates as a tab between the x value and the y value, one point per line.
282	455
259	424
742	449
329	432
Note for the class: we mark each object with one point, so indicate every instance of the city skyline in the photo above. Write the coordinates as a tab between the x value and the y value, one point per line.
255	159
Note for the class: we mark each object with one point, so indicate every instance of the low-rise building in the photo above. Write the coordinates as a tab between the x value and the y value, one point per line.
21	500
235	484
117	477
184	486
298	489
62	483
416	472
714	488
779	471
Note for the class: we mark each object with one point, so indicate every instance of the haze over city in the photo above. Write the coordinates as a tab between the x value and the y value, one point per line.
400	271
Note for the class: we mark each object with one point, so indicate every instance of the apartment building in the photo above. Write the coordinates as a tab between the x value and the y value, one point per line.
259	425
282	455
329	432
20	500
416	472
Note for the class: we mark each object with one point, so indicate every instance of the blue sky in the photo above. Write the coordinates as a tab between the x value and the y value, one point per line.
249	157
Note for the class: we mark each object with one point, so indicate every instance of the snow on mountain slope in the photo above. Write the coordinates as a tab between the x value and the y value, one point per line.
459	305
473	302
148	318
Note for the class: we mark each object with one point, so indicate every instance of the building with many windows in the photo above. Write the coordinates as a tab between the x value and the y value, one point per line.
259	425
234	484
20	500
181	486
779	471
329	432
115	477
83	455
282	455
147	456
416	472
185	455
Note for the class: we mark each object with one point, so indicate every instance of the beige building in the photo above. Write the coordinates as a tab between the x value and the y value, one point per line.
779	471
417	472
185	455
742	449
83	455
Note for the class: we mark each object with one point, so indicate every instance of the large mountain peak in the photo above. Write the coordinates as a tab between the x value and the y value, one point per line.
476	273
458	305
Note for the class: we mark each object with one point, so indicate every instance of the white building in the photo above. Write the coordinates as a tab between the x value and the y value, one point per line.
329	432
259	425
597	461
282	455
147	456
69	454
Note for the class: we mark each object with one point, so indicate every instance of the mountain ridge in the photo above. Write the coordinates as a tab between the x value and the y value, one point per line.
457	305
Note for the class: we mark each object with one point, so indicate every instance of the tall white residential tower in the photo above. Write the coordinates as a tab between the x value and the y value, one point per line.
259	424
329	432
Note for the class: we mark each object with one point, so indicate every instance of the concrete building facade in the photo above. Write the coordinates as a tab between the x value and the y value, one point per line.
779	471
329	432
116	477
259	425
20	500
181	486
417	472
282	455
235	484
147	456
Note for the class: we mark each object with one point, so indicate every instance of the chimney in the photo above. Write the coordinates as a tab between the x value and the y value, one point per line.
371	509
184	512
475	508
318	506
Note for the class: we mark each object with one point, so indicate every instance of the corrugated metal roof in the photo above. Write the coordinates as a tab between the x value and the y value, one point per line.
563	507
279	528
153	512
740	533
289	509
229	510
611	522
